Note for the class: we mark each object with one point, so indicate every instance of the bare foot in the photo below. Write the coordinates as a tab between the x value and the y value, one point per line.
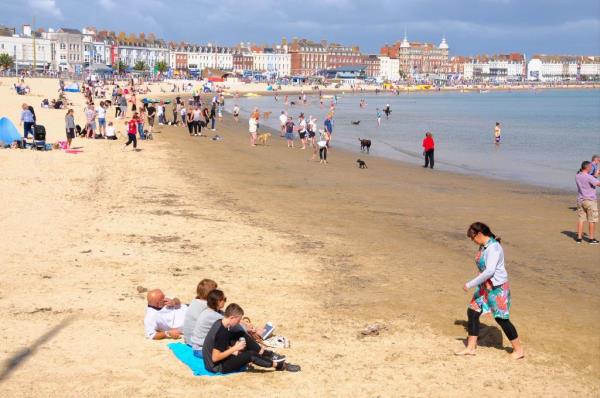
466	351
518	354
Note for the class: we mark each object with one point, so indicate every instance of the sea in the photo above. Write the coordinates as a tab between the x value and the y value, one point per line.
546	134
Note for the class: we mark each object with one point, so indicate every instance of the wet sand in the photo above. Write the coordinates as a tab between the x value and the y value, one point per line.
322	251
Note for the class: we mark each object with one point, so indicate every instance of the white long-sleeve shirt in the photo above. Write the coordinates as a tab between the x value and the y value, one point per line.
493	257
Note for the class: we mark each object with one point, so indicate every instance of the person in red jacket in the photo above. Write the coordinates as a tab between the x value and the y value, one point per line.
428	147
132	131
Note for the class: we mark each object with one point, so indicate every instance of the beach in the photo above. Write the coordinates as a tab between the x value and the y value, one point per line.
322	251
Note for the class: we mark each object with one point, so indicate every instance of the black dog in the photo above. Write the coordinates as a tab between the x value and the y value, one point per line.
292	103
365	144
356	123
361	164
79	131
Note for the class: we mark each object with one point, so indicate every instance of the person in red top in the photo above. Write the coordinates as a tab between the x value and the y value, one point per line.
132	131
428	147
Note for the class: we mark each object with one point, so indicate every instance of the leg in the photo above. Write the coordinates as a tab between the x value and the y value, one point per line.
134	138
473	332
511	333
431	159
579	229
129	140
592	227
426	159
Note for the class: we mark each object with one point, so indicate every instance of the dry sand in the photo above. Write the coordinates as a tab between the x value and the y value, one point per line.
322	251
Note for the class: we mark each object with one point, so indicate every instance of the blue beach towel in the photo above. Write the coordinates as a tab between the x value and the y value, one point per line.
185	354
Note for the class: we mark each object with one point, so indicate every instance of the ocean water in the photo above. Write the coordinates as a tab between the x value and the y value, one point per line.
546	134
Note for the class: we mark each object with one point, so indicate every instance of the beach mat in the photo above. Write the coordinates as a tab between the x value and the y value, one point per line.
185	354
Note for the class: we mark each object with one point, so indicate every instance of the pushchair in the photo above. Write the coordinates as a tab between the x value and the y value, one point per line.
39	137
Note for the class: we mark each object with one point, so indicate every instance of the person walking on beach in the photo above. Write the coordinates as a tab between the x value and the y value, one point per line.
236	113
302	130
497	133
378	114
140	124
101	112
28	121
587	202
312	131
123	106
328	124
252	128
213	115
428	148
289	132
595	171
132	131
195	122
492	290
151	117
90	115
70	126
387	110
282	121
322	144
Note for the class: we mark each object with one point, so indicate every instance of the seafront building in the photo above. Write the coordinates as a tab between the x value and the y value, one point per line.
21	48
75	51
554	68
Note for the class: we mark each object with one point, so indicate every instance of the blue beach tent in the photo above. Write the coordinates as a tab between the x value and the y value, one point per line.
8	131
72	88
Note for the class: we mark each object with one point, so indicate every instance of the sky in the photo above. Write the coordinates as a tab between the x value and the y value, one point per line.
470	26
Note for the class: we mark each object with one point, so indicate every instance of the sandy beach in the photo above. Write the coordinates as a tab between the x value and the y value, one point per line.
321	251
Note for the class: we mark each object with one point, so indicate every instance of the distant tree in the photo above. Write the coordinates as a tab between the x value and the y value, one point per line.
6	61
122	36
140	65
162	66
132	38
119	67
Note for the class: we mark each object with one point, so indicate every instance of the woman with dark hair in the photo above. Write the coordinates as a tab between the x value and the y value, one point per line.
492	291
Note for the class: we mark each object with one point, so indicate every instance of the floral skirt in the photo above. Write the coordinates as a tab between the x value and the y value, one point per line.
488	298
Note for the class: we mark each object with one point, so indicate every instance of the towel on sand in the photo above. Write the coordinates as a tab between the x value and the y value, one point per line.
185	354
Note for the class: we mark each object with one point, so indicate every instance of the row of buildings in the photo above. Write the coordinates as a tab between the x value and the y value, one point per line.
74	50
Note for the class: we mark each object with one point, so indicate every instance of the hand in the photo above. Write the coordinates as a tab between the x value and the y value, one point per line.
172	303
465	288
175	333
240	345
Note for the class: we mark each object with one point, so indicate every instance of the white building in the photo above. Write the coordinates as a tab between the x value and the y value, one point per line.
389	68
69	49
275	61
146	51
553	68
21	48
199	58
496	68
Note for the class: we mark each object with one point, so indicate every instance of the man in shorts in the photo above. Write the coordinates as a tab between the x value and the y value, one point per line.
587	202
90	116
282	121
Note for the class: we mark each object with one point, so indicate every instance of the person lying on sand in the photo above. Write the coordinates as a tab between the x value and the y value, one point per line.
164	316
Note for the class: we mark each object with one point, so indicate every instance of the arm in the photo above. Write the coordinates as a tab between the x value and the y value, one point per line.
491	262
221	355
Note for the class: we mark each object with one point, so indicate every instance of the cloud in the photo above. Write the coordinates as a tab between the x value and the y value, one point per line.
108	5
46	6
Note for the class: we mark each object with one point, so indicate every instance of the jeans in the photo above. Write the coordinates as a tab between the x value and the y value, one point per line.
429	158
131	138
27	128
212	122
323	153
141	131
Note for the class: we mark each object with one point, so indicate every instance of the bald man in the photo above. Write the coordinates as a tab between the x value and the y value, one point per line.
164	316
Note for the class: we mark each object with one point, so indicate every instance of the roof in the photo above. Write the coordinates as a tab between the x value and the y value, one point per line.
69	30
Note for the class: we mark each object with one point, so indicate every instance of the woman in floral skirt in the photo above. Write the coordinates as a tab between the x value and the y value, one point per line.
492	291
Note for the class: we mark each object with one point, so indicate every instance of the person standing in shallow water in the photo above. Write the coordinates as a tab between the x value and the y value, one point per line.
428	149
492	291
497	133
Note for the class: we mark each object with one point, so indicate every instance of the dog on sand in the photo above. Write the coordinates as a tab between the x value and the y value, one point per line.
266	115
356	123
361	164
264	138
365	145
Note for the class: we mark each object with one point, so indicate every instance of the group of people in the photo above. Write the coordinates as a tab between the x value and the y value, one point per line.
222	337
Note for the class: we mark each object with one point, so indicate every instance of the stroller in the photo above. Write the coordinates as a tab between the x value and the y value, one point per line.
39	137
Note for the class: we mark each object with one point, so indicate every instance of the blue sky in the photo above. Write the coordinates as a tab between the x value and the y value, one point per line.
471	26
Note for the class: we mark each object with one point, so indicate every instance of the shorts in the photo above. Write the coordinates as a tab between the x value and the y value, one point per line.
92	126
151	121
587	210
302	135
498	139
311	134
289	136
70	133
102	122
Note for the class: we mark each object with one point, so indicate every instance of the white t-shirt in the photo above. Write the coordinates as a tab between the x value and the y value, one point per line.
283	119
302	126
183	112
110	131
163	319
160	110
101	113
252	125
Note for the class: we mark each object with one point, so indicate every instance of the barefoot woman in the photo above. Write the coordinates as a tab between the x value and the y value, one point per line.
492	291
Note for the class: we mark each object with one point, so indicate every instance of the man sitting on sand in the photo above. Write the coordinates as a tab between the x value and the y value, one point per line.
226	350
164	316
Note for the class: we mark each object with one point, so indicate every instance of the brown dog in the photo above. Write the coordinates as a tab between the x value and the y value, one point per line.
263	138
266	115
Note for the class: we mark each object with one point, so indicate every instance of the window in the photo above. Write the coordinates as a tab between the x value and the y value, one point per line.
63	46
